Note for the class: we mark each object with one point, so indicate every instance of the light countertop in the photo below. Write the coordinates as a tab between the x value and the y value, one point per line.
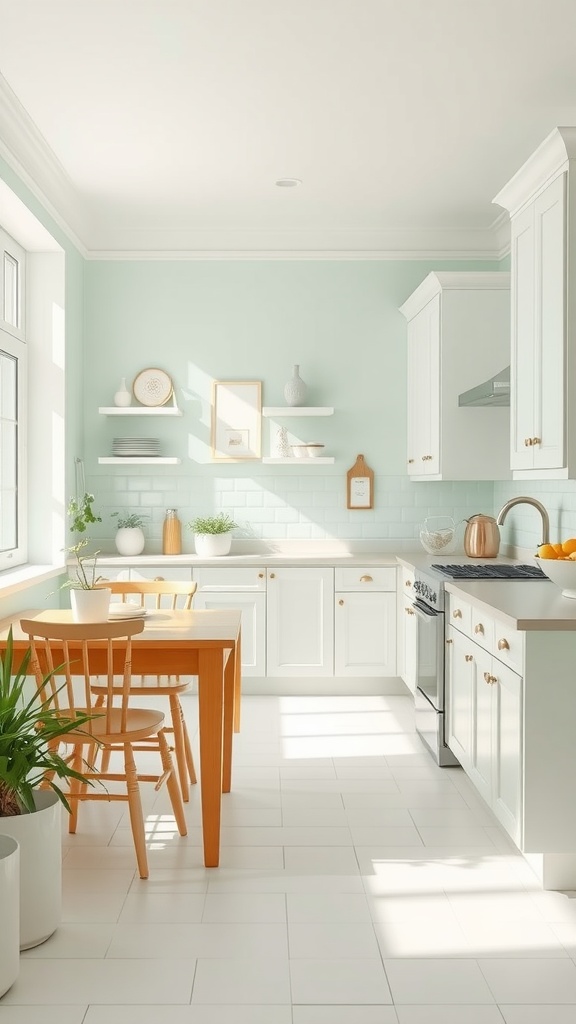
521	604
300	560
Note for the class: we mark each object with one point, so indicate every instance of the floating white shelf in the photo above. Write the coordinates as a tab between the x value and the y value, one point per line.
136	461
297	410
311	460
140	410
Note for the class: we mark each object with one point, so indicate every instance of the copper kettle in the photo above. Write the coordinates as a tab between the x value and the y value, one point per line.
481	537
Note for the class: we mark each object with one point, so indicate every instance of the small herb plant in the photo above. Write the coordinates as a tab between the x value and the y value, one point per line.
28	728
222	523
84	572
129	520
81	513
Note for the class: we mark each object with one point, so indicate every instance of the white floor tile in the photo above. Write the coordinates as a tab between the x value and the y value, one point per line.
71	941
327	907
450	1015
540	981
245	907
345	1015
331	941
339	981
162	908
251	981
437	981
188	941
51	982
42	1014
321	860
542	1014
188	1015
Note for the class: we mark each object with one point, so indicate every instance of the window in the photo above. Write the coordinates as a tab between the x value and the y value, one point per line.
13	358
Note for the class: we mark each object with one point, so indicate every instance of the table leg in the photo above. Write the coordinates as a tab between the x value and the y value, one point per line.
229	714
211	722
237	683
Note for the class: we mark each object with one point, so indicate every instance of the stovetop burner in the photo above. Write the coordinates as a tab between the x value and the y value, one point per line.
491	572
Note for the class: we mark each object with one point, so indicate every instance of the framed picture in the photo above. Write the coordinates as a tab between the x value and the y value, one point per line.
236	420
360	485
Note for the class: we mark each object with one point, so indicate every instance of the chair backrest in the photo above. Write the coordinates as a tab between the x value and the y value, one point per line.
81	651
166	592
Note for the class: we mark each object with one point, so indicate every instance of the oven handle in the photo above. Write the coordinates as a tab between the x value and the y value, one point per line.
423	612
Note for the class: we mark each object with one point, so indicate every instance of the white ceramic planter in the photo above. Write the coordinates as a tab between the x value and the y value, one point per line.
210	545
130	540
38	836
9	911
90	605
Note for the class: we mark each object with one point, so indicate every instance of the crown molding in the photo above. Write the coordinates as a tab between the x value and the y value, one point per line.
551	158
293	254
438	281
27	153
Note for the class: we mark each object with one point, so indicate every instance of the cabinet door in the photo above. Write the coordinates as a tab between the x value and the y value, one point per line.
424	391
481	771
522	388
253	608
550	271
409	669
507	775
365	634
300	622
459	671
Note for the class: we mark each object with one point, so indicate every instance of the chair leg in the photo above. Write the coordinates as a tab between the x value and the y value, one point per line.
172	783
135	808
75	788
187	745
179	749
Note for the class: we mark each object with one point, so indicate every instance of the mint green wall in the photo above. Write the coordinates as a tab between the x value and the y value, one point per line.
252	320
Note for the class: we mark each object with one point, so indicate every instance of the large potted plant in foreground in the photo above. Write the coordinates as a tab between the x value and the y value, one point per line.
29	728
212	534
89	602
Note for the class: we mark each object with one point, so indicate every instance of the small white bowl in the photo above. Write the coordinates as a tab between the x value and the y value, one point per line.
314	449
562	572
300	451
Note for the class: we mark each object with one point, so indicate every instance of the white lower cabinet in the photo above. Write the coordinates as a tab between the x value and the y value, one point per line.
485	726
300	622
244	589
365	634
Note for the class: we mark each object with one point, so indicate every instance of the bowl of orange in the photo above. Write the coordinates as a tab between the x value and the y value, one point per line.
558	562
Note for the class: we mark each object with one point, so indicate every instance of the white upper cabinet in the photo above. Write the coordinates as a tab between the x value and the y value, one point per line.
541	199
458	337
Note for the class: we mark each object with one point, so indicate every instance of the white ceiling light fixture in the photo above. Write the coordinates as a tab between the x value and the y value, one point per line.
288	182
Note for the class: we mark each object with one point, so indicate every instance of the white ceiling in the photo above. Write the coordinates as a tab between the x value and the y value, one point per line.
169	121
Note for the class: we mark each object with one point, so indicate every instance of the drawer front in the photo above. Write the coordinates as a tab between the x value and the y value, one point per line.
366	578
230	580
405	581
508	646
460	615
160	572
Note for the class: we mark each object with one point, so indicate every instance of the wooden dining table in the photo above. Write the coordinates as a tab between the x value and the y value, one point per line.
202	643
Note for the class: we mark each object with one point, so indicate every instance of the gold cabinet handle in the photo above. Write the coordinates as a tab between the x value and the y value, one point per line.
409	611
527	442
260	575
366	579
341	601
490	679
536	440
449	641
427	458
479	628
410	461
456	614
272	575
503	645
407	583
469	657
159	579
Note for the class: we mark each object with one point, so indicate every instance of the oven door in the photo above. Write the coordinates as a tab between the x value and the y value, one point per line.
430	653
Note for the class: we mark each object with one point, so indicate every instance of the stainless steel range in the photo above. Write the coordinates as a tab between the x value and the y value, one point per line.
428	607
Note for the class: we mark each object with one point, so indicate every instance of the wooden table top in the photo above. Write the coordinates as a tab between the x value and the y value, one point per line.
198	628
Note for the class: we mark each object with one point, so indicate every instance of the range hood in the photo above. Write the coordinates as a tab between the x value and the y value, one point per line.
495	391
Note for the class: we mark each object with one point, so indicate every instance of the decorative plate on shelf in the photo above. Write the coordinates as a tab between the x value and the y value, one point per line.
153	387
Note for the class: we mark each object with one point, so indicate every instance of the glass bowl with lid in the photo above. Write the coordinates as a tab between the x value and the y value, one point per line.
437	535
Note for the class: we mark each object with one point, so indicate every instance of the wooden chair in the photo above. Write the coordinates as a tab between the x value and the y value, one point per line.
168	594
79	652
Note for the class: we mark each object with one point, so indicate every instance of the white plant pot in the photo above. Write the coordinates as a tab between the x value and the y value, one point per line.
9	911
129	540
90	605
210	545
39	838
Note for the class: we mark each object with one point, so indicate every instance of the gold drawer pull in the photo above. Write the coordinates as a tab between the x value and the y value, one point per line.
449	641
490	679
341	601
479	628
159	579
469	657
407	583
260	575
536	440
528	442
409	611
503	645
410	461
366	579
272	575
427	458
456	614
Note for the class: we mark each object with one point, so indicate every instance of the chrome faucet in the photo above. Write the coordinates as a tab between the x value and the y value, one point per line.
527	501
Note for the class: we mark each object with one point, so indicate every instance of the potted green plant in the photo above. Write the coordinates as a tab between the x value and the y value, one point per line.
129	539
89	602
212	534
29	725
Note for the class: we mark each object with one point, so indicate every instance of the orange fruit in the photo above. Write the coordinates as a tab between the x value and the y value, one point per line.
547	551
569	546
559	550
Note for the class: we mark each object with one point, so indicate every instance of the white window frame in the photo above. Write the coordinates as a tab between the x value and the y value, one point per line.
13	342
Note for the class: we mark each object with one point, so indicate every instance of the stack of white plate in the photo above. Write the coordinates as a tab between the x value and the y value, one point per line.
142	447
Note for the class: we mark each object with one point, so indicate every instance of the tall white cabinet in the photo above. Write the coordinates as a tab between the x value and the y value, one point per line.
458	336
541	200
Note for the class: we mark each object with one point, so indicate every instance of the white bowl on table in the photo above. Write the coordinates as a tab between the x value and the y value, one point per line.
562	572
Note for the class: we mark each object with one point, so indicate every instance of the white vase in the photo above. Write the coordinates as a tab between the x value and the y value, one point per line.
123	398
90	605
211	545
295	390
283	446
9	911
129	540
39	838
